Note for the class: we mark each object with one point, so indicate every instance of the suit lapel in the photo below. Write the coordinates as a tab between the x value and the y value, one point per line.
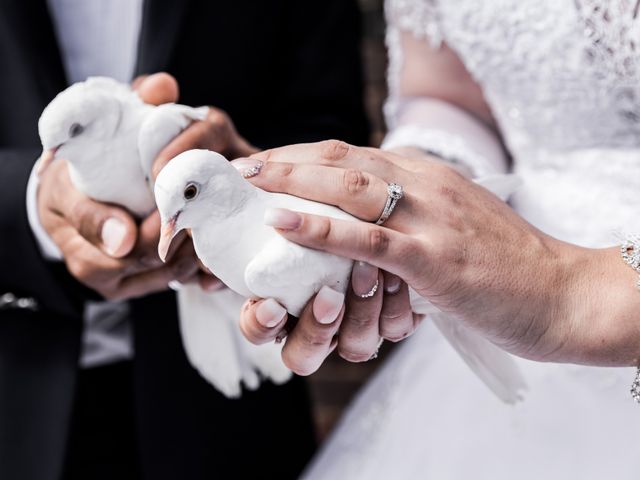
161	23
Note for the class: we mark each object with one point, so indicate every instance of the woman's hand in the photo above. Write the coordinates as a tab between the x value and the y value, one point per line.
451	240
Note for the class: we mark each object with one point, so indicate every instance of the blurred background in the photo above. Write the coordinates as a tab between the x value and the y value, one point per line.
337	381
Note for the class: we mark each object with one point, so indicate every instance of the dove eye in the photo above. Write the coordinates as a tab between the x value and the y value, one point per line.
75	130
190	191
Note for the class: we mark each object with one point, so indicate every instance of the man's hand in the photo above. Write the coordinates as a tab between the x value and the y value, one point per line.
101	244
217	132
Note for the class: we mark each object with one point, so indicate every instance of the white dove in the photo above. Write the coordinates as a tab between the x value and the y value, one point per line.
110	139
201	191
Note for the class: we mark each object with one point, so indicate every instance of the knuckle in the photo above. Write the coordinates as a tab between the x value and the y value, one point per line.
299	366
378	242
395	337
334	150
252	332
84	219
355	181
183	269
314	338
323	229
359	320
398	328
284	170
354	355
78	269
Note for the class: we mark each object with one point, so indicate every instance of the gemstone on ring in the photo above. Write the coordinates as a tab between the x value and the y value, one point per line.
395	191
394	194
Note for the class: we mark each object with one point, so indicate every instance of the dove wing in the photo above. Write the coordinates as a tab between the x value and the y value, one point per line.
292	274
210	337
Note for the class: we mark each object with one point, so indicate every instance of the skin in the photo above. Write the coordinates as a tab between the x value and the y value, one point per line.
453	242
131	267
458	245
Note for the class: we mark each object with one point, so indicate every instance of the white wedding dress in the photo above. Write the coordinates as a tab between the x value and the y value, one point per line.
562	78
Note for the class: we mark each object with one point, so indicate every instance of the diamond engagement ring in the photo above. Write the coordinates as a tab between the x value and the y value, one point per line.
394	193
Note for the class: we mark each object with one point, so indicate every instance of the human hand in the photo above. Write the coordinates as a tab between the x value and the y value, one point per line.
102	246
449	239
217	132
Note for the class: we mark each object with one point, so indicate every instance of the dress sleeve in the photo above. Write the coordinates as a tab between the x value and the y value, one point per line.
431	124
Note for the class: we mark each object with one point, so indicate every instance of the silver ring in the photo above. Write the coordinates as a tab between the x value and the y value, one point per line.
394	193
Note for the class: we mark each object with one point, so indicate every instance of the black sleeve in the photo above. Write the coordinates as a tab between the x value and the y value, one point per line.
320	76
23	270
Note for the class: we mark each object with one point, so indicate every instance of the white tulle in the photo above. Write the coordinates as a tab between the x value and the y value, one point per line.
562	79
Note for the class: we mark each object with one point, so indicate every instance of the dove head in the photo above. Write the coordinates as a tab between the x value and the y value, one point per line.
78	118
195	187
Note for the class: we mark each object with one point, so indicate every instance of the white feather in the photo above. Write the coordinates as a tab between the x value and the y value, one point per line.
111	162
232	241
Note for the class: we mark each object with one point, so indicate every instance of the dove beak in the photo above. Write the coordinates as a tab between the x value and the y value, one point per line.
47	157
167	233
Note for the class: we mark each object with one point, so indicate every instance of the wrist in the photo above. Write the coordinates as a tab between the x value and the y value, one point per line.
602	310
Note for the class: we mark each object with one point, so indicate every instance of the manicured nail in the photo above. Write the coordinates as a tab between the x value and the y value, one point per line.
270	313
113	233
248	167
392	284
327	305
281	218
364	279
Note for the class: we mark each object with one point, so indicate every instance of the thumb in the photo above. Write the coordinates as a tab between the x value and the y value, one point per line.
109	228
157	88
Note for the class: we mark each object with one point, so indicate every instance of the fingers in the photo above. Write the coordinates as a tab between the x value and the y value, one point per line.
216	133
195	136
357	192
312	340
262	321
387	249
359	333
181	268
396	317
157	89
333	153
107	227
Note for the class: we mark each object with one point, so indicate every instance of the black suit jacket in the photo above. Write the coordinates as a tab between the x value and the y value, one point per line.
287	71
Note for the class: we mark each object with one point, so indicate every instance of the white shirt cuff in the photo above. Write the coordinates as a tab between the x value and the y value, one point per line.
48	248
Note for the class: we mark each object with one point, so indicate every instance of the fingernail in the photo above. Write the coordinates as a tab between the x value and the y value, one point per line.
364	279
113	233
392	284
281	218
270	313
327	305
248	167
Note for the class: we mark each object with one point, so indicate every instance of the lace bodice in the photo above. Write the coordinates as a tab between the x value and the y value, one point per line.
558	74
562	78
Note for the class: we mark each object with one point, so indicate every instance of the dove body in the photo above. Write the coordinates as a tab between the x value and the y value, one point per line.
110	139
201	191
226	218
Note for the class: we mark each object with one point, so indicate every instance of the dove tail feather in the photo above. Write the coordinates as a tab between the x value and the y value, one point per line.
495	367
215	346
